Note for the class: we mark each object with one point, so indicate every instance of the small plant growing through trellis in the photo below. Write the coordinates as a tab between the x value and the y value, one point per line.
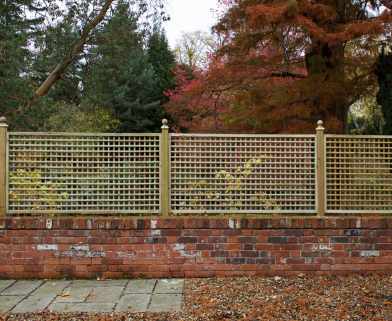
41	194
231	190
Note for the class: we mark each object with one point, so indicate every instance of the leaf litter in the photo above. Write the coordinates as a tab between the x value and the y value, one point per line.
302	298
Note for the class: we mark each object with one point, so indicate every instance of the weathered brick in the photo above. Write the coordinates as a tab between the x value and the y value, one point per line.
187	239
200	247
219	254
247	239
196	223
231	232
294	232
217	239
387	246
140	224
295	260
249	253
352	232
155	240
172	224
170	232
324	260
340	239
277	239
265	260
236	260
311	254
248	247
373	253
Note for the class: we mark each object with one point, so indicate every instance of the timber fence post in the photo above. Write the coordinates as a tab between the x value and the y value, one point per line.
320	168
3	166
165	169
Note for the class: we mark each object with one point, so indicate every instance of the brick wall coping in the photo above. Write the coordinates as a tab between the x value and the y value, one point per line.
133	223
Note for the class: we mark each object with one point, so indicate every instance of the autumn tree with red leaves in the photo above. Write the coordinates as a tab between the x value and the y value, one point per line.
285	64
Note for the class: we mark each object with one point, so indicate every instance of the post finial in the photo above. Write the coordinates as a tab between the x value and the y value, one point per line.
165	124
320	125
3	122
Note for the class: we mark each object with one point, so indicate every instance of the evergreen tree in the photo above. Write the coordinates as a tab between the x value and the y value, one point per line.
163	62
384	97
16	30
120	76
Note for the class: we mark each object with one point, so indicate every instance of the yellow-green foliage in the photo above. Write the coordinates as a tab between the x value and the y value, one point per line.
28	188
230	190
71	118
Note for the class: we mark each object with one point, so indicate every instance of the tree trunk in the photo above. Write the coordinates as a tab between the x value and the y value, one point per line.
384	96
325	66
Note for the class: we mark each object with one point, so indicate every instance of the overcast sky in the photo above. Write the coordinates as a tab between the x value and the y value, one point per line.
188	16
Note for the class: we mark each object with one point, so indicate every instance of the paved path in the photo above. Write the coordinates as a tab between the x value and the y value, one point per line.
91	296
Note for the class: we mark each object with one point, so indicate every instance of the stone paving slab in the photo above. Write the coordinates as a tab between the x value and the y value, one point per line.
96	284
5	284
133	303
174	286
82	307
22	288
72	294
32	304
41	297
90	296
52	287
108	294
8	302
140	286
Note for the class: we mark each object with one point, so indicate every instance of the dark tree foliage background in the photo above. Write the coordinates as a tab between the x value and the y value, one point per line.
384	96
16	30
276	66
117	83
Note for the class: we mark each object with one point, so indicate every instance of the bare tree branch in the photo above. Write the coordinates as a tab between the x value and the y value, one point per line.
73	53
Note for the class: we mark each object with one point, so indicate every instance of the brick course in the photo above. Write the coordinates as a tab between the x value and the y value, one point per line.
192	247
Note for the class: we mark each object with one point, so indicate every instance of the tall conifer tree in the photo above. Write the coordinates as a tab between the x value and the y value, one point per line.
121	78
163	61
16	30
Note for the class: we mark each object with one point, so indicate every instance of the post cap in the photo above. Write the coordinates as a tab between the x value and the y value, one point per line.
165	124
320	125
3	122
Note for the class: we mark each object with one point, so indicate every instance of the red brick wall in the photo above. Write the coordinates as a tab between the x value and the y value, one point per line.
178	247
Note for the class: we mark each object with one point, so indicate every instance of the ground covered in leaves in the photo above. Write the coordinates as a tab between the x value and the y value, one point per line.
326	298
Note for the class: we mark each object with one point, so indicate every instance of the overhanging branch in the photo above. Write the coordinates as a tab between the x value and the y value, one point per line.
73	53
